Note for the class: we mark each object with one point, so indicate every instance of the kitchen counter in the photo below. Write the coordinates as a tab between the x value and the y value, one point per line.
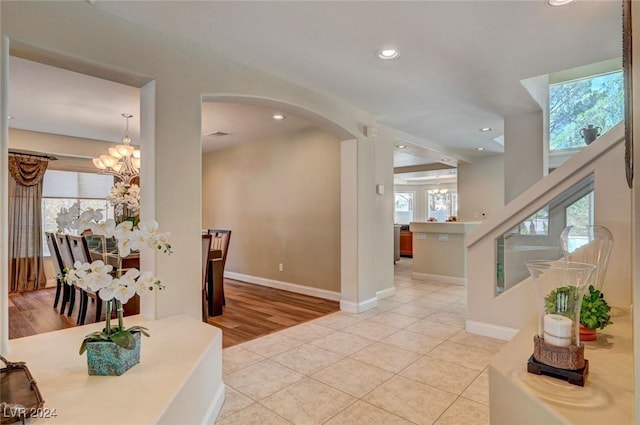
439	252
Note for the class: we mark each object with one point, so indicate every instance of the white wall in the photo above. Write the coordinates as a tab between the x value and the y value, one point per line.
481	186
182	72
524	152
280	197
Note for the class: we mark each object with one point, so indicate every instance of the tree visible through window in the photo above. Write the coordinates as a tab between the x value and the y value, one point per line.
573	105
442	205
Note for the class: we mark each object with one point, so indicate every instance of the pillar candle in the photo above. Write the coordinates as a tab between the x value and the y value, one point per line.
557	330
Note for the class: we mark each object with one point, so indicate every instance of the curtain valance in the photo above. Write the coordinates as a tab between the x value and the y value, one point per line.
27	171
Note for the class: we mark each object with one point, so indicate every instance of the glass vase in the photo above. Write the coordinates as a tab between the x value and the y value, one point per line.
591	245
559	287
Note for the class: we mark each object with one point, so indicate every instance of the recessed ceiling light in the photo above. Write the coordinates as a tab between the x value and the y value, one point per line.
445	159
401	146
559	2
387	54
484	129
278	117
480	149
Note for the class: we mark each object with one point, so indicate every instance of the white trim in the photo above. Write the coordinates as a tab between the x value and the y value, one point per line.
386	293
285	286
351	307
211	415
440	278
493	331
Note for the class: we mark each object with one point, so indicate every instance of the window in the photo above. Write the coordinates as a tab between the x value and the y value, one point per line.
404	207
64	188
573	105
580	213
442	205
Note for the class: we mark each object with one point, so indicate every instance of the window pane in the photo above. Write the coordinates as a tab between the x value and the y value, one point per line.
597	101
442	205
404	207
73	185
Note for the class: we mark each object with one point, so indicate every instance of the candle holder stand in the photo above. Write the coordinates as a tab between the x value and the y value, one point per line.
557	350
559	362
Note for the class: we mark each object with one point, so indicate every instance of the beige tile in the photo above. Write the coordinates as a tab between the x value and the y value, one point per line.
342	343
460	291
445	297
339	320
456	307
466	412
490	344
253	415
371	330
353	377
428	302
235	358
385	305
413	311
411	400
470	357
233	402
393	319
387	357
416	291
271	345
478	391
449	318
404	298
308	402
448	376
307	332
307	358
412	341
262	379
361	413
433	328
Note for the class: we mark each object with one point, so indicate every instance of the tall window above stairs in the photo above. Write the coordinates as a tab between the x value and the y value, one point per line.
573	105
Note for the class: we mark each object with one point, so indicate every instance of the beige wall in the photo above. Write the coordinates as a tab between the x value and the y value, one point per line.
480	187
524	152
281	199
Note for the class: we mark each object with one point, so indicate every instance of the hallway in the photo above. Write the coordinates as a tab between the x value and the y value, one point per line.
408	361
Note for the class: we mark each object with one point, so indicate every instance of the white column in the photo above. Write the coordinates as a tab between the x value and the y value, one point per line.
358	292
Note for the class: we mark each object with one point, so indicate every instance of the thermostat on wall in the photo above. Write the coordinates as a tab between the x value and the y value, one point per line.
380	189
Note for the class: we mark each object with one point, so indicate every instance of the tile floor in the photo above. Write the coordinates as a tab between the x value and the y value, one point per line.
408	361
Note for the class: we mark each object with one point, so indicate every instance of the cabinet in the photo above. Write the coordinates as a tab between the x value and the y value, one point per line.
406	243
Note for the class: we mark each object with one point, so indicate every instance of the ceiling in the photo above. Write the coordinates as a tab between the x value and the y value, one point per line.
459	70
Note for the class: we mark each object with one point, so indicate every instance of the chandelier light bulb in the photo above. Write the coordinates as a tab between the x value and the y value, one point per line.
123	160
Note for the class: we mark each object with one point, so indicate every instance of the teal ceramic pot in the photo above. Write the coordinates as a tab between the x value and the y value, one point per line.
105	358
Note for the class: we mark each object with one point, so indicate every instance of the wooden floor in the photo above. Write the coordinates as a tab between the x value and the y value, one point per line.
254	311
251	311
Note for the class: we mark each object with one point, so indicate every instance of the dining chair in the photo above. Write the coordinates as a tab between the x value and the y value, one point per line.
67	263
220	241
80	252
206	248
58	268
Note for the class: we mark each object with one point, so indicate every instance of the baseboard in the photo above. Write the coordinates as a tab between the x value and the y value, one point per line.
386	293
351	307
440	278
215	407
285	286
493	331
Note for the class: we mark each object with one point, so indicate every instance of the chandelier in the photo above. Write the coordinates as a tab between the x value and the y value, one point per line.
437	190
123	161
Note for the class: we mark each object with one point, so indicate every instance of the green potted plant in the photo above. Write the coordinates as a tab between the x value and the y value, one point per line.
594	311
595	314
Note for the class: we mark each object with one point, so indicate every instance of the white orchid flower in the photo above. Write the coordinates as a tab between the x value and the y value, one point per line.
124	293
107	293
